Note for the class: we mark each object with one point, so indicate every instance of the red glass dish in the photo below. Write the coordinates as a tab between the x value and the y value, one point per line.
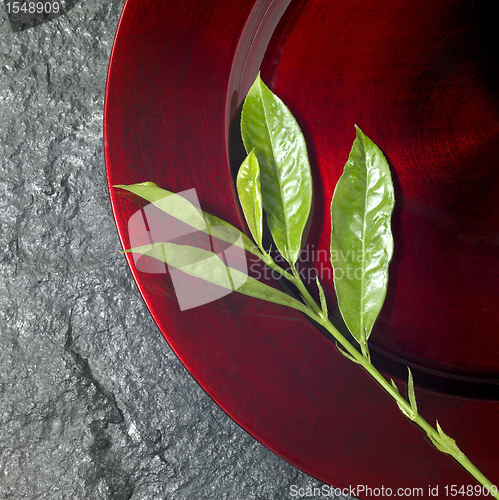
420	79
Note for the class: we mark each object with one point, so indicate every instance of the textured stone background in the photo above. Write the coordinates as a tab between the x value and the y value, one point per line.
93	404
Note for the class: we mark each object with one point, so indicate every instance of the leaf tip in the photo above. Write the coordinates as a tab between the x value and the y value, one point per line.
363	139
252	155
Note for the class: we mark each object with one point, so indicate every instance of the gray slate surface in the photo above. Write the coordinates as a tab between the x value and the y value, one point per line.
93	404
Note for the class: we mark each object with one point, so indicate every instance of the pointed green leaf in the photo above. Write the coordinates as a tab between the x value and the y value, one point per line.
270	129
346	354
444	443
250	195
361	237
412	393
448	443
322	297
404	411
401	408
173	204
206	265
183	210
258	290
437	444
194	261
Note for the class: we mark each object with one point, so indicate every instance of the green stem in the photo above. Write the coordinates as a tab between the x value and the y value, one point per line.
363	359
295	280
405	407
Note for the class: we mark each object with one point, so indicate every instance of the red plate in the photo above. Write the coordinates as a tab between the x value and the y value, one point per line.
420	78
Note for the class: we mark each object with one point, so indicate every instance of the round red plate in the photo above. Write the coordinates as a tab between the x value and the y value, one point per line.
420	78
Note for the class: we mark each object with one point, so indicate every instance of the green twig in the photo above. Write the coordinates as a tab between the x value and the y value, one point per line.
409	408
441	441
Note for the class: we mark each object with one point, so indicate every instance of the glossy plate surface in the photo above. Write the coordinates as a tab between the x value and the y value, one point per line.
420	78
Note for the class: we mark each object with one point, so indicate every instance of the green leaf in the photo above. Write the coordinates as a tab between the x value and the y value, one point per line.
412	394
444	443
322	297
250	196
173	204
208	266
269	128
401	408
436	444
413	412
361	237
346	354
448	442
191	260
177	206
258	290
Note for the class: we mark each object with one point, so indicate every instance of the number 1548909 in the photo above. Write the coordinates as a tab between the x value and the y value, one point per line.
32	7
